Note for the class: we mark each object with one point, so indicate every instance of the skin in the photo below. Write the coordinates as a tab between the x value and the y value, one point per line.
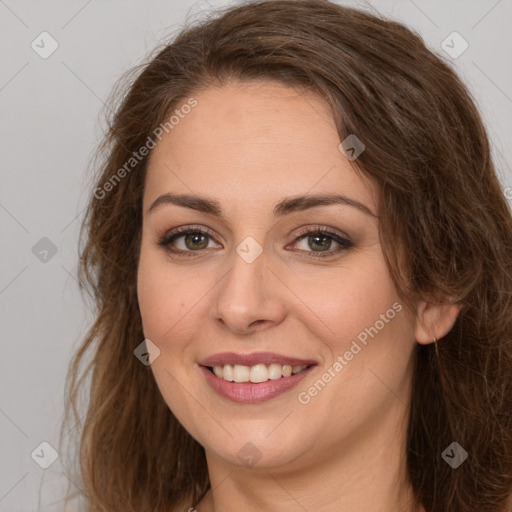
248	146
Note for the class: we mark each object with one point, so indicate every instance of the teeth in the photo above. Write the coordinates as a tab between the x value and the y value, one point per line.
219	371
257	373
241	373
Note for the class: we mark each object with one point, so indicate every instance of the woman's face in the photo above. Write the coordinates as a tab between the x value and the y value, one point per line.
257	286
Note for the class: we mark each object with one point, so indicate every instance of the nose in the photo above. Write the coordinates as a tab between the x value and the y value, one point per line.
250	297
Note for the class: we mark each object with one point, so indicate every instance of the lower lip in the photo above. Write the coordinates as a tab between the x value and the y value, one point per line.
250	392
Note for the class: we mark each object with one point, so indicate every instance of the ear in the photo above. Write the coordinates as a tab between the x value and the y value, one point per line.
434	321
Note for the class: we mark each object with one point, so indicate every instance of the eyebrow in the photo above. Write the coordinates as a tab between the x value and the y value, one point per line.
284	207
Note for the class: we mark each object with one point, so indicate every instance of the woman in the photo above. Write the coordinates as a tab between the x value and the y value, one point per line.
301	257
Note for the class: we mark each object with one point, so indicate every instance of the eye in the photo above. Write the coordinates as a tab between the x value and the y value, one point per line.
320	241
195	239
190	240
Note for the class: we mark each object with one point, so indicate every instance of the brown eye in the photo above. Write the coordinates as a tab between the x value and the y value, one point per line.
186	241
194	241
320	241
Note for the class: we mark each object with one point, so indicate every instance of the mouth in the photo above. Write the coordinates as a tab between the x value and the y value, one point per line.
257	373
254	384
253	378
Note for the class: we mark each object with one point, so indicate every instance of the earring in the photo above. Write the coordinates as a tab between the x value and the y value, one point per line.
435	345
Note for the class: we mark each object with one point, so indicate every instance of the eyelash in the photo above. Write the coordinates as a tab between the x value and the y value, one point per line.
344	242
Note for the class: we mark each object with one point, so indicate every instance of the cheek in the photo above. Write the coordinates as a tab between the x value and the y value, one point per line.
172	303
350	300
161	297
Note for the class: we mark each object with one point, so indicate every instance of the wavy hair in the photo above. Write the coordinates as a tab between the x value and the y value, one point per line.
445	227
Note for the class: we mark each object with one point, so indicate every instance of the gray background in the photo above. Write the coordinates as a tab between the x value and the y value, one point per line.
49	128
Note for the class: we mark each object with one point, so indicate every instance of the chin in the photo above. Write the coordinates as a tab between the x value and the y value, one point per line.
259	446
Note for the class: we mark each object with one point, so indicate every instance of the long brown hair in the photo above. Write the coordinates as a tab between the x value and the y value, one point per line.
445	227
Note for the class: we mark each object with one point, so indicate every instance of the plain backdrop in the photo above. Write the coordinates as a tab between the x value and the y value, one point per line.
49	128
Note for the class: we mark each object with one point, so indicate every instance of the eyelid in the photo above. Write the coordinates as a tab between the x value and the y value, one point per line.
322	229
183	230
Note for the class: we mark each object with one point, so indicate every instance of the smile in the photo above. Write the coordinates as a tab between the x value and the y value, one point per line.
257	373
256	377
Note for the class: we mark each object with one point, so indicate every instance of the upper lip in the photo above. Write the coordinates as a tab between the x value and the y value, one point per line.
253	359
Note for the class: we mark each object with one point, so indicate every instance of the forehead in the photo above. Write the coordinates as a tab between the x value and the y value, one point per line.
254	142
